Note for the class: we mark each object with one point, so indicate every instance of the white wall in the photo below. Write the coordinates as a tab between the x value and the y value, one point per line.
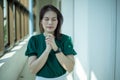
95	34
95	25
67	11
117	76
101	44
81	39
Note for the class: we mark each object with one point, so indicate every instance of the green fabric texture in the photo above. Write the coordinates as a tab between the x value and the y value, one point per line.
52	68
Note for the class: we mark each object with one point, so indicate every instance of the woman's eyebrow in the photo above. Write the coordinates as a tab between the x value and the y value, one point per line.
45	17
54	17
48	17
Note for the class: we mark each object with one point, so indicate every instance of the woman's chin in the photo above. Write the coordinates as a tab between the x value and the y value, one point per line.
50	31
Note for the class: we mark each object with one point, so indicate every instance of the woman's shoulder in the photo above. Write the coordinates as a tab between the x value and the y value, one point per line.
37	36
65	37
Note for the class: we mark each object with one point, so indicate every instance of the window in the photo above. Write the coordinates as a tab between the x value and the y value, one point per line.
13	23
5	24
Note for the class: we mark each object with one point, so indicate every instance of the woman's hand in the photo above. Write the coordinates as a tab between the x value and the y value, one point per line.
48	46
51	40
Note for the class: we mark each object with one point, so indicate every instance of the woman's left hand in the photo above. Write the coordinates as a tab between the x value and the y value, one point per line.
51	40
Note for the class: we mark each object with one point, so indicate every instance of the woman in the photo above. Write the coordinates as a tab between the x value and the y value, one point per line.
51	53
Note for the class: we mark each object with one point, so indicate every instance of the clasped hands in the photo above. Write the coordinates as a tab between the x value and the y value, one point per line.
50	42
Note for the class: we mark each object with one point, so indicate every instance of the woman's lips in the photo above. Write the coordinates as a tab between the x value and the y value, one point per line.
50	27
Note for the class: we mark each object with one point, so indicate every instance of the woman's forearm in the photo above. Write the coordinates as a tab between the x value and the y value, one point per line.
67	62
36	64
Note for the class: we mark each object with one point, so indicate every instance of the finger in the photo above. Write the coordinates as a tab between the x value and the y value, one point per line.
47	37
48	40
50	35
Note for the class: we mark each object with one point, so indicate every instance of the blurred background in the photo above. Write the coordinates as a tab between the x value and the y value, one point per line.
94	26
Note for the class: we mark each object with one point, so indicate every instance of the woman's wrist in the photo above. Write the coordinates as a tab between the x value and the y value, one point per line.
58	51
55	48
47	51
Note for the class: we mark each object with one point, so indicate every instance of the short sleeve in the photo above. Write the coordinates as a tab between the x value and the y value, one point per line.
68	47
31	48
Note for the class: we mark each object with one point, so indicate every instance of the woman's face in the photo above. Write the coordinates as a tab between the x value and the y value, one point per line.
49	22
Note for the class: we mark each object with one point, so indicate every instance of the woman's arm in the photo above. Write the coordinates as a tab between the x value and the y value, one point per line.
35	64
67	62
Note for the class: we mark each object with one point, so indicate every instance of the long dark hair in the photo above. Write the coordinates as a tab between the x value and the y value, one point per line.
50	7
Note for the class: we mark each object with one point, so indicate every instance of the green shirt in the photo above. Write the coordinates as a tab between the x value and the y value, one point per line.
52	67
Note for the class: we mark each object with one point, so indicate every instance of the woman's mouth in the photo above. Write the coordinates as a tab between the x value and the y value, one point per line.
50	27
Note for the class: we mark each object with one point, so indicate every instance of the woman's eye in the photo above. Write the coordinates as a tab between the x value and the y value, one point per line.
46	19
54	19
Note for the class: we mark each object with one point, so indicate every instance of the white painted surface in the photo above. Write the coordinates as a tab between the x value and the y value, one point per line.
94	32
67	11
117	75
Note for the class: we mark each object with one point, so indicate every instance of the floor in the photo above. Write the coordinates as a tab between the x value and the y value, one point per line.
26	74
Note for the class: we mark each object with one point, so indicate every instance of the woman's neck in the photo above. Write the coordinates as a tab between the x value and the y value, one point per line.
45	33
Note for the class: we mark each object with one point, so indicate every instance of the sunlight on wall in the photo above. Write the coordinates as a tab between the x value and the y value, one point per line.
93	77
79	71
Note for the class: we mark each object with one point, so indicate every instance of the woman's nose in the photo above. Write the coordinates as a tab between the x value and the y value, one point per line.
50	22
